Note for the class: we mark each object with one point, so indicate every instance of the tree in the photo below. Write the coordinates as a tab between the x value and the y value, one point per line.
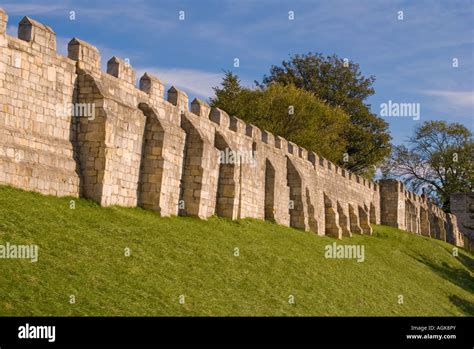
339	82
286	111
228	96
438	162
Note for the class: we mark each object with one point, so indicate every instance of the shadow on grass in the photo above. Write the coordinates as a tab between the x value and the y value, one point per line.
464	305
458	277
467	261
463	257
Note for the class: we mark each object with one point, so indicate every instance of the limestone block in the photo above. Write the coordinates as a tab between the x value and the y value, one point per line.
37	33
121	69
220	117
152	85
84	53
179	99
3	21
200	108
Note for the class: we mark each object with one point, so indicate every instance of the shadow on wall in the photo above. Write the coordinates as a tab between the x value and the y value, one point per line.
151	162
74	124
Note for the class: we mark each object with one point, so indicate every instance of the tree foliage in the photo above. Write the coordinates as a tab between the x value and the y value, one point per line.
439	161
286	111
340	82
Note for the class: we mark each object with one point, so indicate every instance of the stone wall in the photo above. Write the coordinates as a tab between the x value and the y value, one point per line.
462	206
67	128
417	214
36	132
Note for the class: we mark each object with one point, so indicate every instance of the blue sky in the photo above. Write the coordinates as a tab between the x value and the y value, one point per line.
410	58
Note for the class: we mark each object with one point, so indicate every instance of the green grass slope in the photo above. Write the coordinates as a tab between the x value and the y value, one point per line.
81	253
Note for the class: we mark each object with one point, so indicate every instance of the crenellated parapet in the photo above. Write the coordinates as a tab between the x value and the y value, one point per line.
416	213
107	137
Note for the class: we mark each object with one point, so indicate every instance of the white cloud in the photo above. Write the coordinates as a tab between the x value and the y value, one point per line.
458	99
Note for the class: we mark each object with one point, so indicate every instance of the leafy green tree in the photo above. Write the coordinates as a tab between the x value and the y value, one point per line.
340	83
439	161
286	111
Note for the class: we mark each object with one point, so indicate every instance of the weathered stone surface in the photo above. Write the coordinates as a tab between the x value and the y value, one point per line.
121	69
462	208
3	21
37	33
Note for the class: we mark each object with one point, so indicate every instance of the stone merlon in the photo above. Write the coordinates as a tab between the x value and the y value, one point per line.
121	69
86	54
37	34
200	108
178	98
152	86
